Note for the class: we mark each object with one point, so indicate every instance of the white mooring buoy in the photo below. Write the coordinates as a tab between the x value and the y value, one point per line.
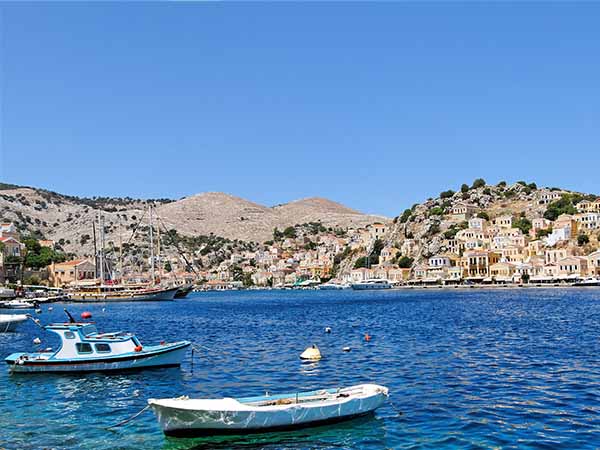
37	341
312	353
346	349
327	330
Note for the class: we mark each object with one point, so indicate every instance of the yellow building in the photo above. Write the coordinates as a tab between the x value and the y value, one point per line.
66	273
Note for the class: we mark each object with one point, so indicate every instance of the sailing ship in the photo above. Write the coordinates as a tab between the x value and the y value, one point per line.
115	292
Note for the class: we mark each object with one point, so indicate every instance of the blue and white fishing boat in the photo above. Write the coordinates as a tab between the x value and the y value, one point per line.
183	416
84	349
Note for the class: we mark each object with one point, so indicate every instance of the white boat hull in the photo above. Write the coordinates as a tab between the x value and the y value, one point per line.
9	322
365	286
142	360
184	417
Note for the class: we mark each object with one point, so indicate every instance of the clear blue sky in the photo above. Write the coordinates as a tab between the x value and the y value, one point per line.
377	106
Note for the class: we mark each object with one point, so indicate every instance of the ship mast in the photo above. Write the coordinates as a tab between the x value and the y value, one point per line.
151	245
102	278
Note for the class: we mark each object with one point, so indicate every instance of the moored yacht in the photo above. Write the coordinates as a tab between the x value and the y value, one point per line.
123	293
374	283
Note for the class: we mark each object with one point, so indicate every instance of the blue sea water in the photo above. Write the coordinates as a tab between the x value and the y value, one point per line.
467	369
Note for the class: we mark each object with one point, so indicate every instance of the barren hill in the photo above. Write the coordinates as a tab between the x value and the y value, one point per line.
70	218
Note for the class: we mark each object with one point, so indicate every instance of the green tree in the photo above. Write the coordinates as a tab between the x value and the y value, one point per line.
289	232
543	233
583	239
525	278
405	215
436	211
168	267
483	215
464	188
405	262
479	182
447	194
523	224
247	280
563	205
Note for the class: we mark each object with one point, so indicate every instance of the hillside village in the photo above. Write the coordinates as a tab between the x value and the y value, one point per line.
479	234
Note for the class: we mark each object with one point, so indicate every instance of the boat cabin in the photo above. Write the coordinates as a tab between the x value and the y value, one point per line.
82	340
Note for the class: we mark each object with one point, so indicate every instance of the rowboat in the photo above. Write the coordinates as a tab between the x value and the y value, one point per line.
183	416
84	349
8	322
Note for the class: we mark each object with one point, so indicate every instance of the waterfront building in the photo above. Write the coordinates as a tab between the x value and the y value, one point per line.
573	265
502	271
594	263
69	272
552	256
476	264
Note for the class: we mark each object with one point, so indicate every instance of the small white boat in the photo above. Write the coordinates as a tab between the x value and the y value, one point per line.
18	304
374	283
205	417
8	322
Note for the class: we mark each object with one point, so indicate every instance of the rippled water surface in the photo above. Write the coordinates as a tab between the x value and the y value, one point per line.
467	368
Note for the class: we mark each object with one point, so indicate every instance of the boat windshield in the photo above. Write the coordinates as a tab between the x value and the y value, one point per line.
89	329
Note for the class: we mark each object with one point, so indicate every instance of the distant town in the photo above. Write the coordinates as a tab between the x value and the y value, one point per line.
480	234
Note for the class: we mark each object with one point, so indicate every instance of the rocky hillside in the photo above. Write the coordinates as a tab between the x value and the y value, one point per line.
69	219
428	228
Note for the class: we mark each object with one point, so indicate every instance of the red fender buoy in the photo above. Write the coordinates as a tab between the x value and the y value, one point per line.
138	348
367	337
86	315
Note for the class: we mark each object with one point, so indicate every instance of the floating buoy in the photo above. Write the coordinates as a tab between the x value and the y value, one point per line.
327	330
37	341
367	337
39	311
86	315
311	353
138	348
103	309
346	349
50	308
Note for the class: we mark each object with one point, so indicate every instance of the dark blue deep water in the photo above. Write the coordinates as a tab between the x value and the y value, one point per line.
467	368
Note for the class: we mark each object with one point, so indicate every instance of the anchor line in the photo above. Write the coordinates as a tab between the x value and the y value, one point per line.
395	408
123	422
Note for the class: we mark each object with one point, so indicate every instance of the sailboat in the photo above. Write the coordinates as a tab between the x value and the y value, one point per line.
105	292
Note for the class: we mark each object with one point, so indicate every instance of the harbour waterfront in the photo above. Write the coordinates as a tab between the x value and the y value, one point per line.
467	368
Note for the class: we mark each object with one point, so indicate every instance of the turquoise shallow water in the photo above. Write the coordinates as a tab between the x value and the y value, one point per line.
468	369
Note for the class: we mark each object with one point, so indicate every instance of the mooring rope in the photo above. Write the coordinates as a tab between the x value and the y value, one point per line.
123	422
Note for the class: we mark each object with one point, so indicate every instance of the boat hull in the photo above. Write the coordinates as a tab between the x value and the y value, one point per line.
172	355
365	287
163	295
9	322
182	421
